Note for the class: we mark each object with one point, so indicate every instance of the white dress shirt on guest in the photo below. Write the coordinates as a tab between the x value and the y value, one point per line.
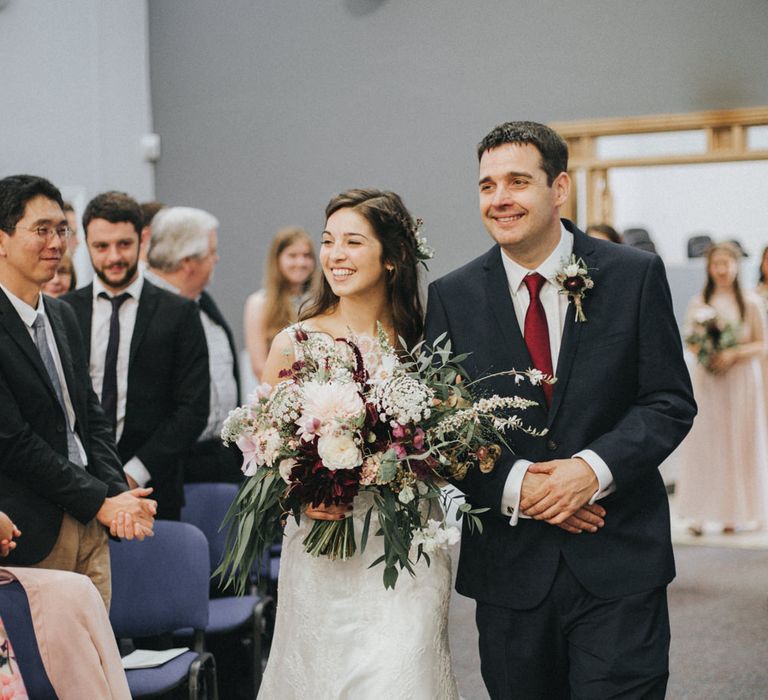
102	313
220	366
28	314
555	307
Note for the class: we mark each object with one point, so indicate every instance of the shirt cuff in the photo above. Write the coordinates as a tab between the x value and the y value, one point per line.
605	483
510	499
135	468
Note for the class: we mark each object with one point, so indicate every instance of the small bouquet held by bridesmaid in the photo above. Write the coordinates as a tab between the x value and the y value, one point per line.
334	427
710	334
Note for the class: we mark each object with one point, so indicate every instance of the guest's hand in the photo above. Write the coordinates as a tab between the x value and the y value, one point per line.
569	485
322	512
7	532
133	503
723	360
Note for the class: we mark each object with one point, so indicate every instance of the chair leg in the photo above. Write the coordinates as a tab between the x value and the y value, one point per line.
202	676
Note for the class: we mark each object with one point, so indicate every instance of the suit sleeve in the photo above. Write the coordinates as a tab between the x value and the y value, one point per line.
191	396
484	489
28	459
664	408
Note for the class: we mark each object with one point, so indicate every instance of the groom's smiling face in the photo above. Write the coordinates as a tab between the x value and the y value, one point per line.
519	208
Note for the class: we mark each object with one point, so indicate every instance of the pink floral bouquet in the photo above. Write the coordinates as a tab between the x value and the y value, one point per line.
334	427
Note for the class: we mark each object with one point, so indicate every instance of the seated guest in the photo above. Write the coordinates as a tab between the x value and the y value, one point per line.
61	481
72	631
148	356
65	279
182	256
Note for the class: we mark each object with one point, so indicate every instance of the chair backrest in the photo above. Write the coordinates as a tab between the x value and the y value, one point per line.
161	584
698	245
205	506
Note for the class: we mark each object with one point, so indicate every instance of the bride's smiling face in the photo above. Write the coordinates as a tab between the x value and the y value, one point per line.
350	255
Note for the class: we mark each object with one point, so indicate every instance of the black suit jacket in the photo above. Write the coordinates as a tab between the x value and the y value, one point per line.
37	482
622	390
168	386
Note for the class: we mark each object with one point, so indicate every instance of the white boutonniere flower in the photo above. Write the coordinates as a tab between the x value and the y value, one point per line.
573	280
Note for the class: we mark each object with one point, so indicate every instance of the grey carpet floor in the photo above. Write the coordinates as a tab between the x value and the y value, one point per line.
719	616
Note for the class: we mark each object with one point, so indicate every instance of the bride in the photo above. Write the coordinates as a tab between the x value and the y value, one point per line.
339	634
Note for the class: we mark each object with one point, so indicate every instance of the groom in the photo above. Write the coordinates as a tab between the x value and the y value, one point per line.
571	594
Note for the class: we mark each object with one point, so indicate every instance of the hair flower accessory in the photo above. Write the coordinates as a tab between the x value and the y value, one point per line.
574	280
423	251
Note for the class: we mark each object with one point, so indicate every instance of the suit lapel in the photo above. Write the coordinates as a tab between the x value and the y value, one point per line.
147	306
82	303
18	332
511	347
569	344
62	344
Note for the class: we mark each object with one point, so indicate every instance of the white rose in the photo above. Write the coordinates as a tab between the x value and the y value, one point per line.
285	467
339	452
571	270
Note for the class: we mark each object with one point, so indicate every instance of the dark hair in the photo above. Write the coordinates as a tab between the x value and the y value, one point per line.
709	287
394	227
606	230
115	207
16	191
763	279
551	146
148	211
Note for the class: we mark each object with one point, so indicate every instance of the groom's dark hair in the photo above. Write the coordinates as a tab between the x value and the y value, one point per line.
551	146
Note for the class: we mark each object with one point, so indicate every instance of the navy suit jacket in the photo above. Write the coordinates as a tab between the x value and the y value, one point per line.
622	390
37	481
168	386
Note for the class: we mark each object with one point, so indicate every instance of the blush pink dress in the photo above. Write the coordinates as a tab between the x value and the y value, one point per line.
723	470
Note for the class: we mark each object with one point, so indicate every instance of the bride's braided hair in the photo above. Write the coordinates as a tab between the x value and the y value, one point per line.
398	234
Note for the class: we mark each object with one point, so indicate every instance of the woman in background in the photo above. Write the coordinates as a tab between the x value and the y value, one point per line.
64	280
287	277
762	282
724	460
604	232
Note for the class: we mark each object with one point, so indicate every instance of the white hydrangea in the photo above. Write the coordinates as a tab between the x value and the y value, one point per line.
403	400
434	535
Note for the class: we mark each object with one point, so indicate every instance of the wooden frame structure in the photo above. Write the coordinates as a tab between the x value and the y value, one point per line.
726	141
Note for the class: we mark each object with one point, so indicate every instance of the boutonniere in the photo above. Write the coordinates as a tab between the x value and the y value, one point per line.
574	280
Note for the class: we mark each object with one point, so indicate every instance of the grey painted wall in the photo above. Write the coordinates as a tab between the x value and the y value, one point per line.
266	109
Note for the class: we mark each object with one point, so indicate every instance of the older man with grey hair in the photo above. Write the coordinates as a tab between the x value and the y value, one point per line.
182	256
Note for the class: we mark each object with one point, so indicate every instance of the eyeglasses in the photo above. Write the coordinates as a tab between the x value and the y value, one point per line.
46	233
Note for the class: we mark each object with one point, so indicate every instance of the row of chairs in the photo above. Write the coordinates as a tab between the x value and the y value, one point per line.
161	589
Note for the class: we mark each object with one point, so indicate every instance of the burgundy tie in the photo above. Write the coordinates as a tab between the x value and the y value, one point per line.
536	331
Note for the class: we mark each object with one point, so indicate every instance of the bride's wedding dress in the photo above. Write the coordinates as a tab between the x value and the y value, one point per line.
340	635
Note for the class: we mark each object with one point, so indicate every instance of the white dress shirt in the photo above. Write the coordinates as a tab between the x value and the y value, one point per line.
28	315
102	313
221	366
555	307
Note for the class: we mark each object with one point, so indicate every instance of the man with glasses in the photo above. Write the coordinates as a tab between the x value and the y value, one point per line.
61	481
148	355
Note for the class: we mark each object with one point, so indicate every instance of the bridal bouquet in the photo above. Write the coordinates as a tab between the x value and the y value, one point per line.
338	424
710	334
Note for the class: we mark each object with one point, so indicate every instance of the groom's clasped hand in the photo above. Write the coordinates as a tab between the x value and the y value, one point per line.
558	492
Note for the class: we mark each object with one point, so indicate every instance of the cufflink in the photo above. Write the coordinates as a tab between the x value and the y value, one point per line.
510	510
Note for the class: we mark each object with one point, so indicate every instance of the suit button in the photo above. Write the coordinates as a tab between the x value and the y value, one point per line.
551	445
59	428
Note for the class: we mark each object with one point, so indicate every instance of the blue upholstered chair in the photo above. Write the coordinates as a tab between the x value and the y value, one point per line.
158	586
244	618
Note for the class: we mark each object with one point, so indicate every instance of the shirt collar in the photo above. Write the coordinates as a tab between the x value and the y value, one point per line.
161	282
134	288
548	269
28	313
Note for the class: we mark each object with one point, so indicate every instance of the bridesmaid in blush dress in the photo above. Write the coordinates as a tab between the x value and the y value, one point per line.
724	462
